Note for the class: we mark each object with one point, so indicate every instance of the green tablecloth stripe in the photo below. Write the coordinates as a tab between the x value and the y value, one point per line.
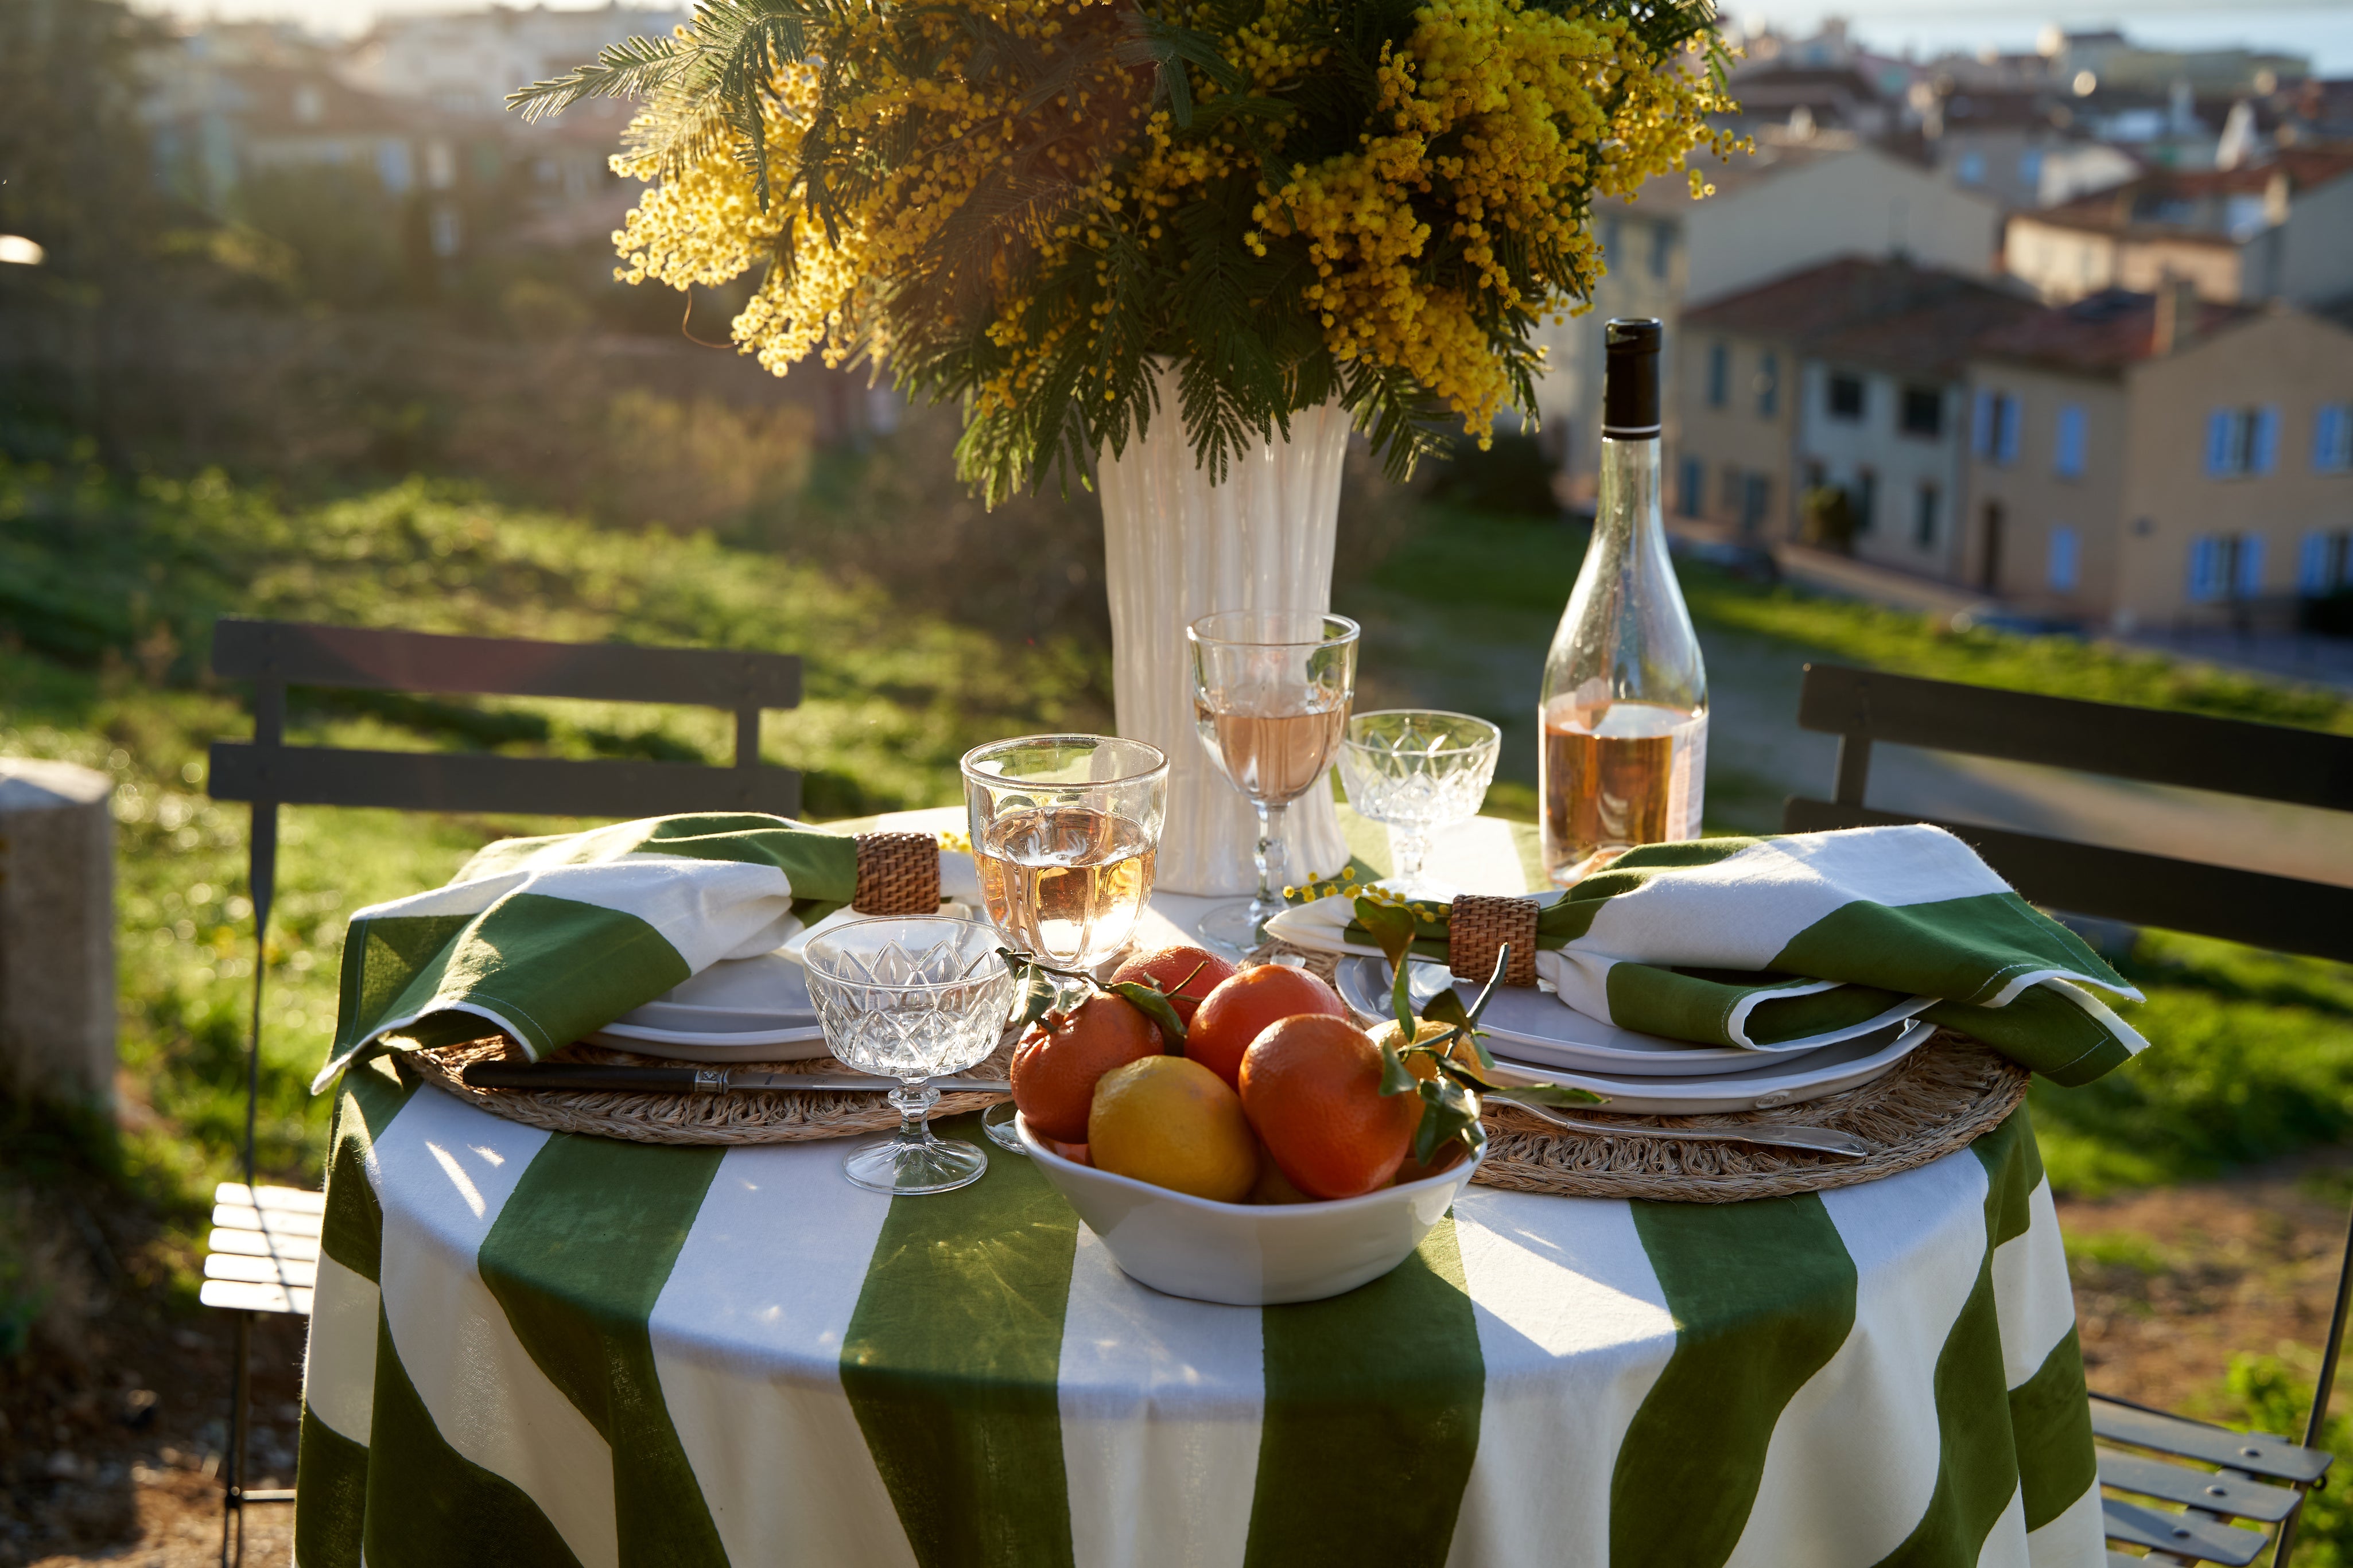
351	1230
1772	1284
576	1258
2013	1167
950	1360
1355	1467
382	959
1977	1465
333	1477
428	1506
2053	1419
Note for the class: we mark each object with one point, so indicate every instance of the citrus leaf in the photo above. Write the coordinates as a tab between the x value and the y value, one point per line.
1392	928
1395	1077
1450	1113
1149	1001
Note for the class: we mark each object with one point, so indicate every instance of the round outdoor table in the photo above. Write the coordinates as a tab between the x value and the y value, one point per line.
532	1348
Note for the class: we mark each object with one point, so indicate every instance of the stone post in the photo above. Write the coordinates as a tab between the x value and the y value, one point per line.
57	933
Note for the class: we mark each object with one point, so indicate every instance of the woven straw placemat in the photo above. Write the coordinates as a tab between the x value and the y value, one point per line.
736	1118
1941	1098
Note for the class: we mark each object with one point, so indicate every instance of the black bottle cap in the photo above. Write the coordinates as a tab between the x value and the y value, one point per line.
1629	381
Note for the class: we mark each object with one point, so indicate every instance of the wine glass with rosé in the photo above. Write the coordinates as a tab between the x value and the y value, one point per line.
1270	695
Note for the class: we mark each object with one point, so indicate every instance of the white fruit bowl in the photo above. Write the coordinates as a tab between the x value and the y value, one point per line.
1249	1255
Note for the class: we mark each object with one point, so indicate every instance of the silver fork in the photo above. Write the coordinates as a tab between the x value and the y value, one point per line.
1820	1139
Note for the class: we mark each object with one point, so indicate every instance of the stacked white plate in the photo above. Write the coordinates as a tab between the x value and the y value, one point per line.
1537	1039
738	1010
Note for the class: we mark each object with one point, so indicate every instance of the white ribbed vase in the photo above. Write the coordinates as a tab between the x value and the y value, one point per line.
1176	548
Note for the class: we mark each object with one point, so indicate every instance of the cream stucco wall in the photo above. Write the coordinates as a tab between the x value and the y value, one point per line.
2036	500
1736	437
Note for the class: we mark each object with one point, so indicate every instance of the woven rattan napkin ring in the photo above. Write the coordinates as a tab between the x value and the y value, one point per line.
898	874
1478	924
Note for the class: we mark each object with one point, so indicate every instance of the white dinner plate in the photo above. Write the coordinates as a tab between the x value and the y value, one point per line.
1535	1025
1780	1080
738	1010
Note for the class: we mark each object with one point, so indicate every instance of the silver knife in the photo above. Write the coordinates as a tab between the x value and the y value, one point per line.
590	1077
1781	1135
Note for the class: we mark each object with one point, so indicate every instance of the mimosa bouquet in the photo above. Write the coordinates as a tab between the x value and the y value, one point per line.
1031	207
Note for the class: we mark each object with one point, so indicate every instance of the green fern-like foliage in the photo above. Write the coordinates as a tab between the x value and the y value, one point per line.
987	302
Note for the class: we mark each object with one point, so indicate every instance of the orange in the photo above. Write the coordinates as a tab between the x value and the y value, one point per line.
1057	1064
1311	1089
1242	1008
1173	1123
1187	974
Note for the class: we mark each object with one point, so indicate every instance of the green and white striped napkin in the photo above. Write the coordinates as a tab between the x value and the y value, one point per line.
1788	942
548	938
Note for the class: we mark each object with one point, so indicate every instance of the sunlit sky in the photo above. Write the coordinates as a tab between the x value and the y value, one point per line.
2321	29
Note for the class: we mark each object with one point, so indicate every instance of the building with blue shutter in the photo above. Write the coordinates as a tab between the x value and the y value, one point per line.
2142	460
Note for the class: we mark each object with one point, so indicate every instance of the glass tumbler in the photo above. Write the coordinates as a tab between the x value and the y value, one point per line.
911	999
1414	770
1065	829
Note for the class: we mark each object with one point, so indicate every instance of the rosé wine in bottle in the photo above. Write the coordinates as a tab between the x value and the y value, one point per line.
1624	709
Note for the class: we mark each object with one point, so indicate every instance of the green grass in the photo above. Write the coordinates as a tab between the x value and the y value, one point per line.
106	591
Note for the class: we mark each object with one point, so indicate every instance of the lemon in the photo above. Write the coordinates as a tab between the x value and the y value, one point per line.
1173	1122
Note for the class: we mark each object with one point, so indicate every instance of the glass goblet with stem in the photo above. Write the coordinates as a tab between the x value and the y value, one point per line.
1270	691
1416	770
1065	830
911	999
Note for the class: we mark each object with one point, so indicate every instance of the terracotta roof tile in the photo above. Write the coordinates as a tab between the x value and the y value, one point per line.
2100	333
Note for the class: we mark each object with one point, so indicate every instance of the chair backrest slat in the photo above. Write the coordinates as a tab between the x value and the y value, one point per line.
2267	761
467	781
363	660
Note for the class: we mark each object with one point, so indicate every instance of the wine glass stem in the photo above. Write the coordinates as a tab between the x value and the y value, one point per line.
914	1101
1270	853
1411	846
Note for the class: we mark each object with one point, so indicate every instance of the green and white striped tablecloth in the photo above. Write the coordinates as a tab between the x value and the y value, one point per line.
533	1349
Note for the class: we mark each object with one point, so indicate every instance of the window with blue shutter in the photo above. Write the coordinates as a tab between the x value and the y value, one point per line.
2067	458
2205	569
1719	375
1981	426
2006	423
2332	438
2064	552
2248	566
2263	445
1691	486
2218	430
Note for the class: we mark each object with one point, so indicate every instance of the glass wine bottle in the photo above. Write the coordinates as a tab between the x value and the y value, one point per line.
1624	712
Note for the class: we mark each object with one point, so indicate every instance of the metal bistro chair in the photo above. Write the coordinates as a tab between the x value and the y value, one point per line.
262	1256
2256	1479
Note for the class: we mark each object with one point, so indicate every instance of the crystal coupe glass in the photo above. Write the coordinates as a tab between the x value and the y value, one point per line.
914	1000
1416	770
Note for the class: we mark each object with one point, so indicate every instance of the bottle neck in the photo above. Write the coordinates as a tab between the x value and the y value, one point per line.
1628	502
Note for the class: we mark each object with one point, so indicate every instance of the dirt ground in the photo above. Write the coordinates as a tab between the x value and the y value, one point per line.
2169	1285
